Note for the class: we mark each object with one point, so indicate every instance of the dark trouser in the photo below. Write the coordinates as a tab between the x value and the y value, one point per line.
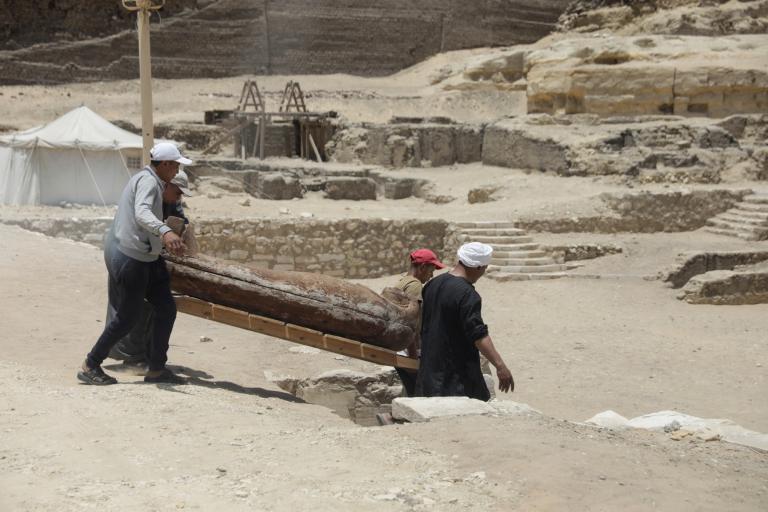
130	282
408	378
134	347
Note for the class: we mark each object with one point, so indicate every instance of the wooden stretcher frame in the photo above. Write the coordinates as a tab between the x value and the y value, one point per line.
294	333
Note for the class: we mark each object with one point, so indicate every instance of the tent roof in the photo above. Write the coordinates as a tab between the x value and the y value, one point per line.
78	128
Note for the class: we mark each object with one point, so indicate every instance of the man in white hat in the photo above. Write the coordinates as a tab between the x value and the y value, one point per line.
136	270
453	333
133	349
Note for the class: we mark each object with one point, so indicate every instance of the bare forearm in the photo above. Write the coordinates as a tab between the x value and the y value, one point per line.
506	382
486	347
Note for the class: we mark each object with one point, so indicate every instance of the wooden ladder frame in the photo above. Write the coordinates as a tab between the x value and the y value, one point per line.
294	333
251	97
293	98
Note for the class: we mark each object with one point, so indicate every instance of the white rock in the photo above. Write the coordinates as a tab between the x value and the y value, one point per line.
510	408
608	419
306	215
421	409
726	429
666	419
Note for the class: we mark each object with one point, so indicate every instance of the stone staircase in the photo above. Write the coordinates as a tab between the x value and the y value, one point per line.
747	220
516	257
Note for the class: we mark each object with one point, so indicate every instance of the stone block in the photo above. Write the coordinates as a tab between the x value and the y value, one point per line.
482	194
508	144
325	258
422	409
398	189
238	255
355	189
276	185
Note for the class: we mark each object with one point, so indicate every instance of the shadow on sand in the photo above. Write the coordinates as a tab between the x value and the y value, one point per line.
204	379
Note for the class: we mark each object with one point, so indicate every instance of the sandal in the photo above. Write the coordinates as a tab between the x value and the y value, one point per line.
95	376
167	377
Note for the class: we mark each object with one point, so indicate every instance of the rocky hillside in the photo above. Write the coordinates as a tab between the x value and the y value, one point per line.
26	22
232	37
635	58
681	17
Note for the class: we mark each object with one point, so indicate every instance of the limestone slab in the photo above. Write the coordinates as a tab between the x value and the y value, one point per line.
423	409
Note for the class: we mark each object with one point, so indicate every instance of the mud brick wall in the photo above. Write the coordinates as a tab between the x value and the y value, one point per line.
278	140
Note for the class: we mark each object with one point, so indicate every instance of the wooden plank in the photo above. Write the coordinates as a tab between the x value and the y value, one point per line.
196	307
304	336
256	140
378	355
343	346
262	135
314	146
268	326
406	362
231	316
216	143
294	333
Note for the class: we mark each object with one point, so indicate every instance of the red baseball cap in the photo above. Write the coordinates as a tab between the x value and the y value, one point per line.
426	256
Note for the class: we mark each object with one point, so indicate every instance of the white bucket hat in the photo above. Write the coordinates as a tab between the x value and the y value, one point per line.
181	180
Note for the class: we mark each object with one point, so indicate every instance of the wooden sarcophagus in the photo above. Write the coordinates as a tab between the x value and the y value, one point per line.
315	301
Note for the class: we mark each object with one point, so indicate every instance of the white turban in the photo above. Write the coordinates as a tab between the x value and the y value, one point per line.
475	254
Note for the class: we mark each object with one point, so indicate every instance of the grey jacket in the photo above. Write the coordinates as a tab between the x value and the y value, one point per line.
138	227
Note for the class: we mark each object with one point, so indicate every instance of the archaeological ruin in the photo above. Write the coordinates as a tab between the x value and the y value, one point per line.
613	153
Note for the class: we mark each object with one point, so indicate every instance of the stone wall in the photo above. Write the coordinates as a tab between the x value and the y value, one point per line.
578	252
725	287
646	149
644	212
693	265
354	248
276	179
344	248
411	144
88	230
238	37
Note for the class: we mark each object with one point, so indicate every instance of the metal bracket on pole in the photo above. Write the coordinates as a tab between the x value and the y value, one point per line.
143	8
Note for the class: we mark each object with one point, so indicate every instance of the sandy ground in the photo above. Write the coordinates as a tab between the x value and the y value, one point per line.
231	439
356	98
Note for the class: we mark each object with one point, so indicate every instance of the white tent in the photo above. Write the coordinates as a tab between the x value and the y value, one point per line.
78	158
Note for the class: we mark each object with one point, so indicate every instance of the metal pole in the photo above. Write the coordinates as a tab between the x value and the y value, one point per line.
145	76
